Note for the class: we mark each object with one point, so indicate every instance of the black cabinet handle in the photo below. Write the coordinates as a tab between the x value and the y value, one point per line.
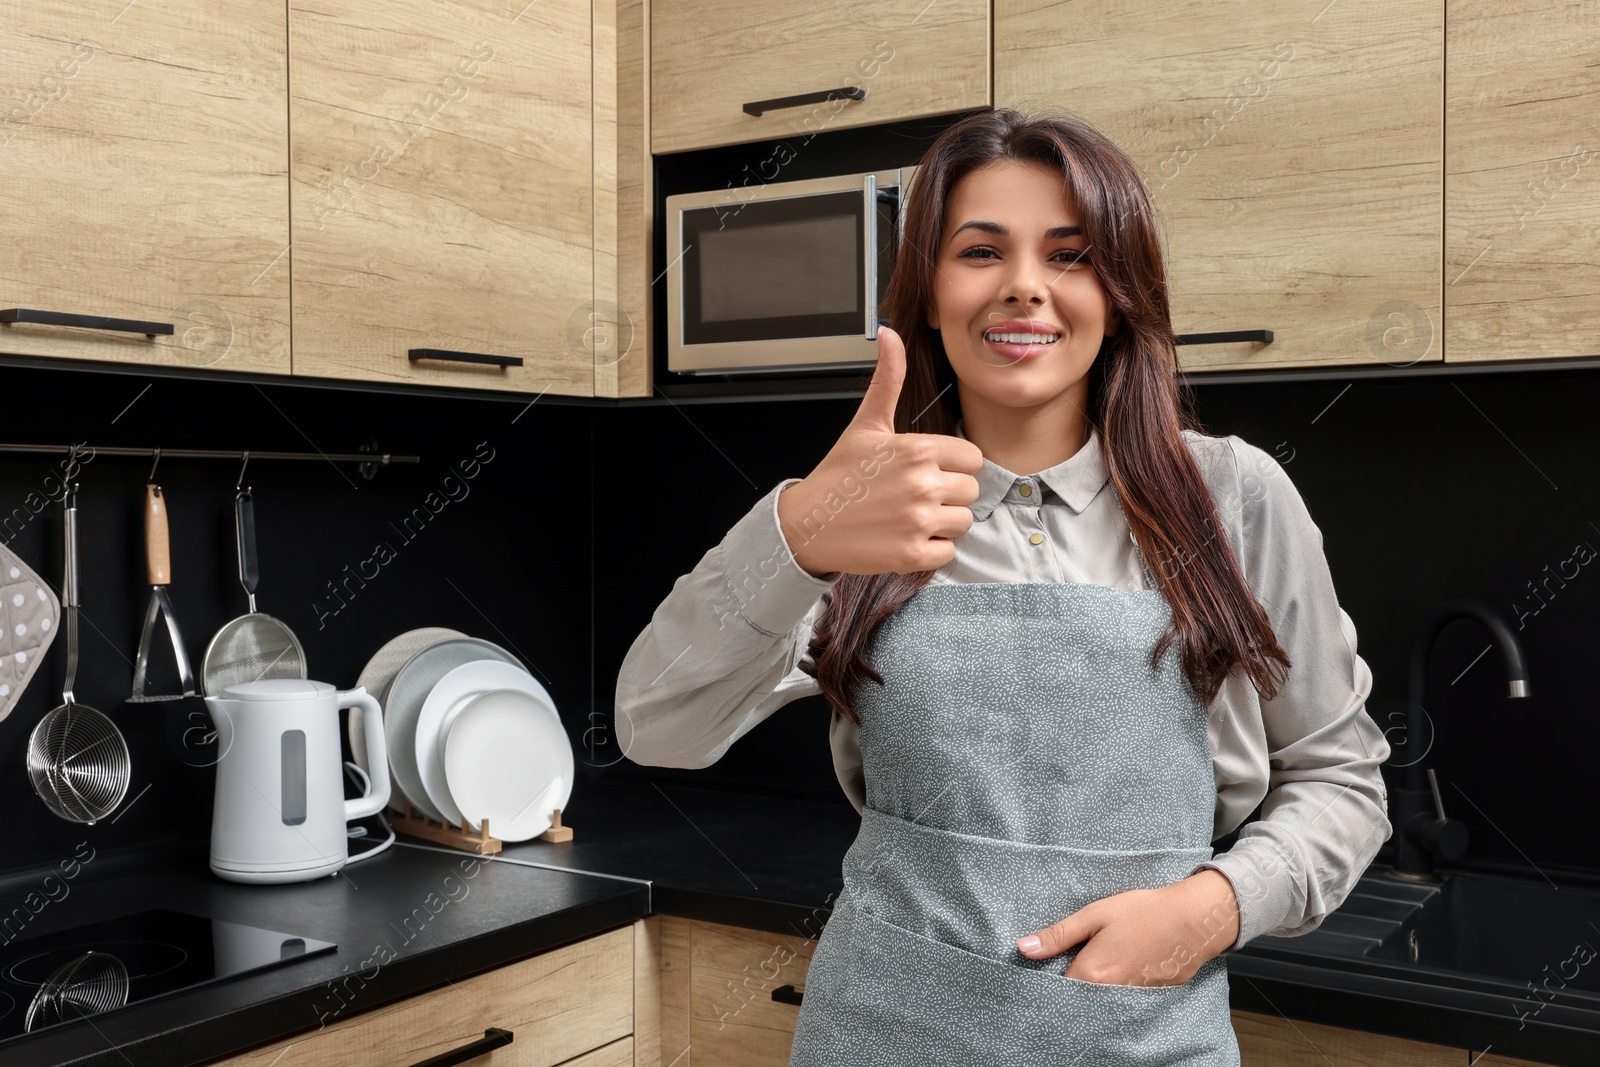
88	322
1264	336
849	92
463	357
492	1038
788	994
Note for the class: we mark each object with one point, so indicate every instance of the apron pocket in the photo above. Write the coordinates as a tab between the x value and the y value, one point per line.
915	1000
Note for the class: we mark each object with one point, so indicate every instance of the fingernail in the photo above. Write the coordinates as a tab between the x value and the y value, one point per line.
1027	944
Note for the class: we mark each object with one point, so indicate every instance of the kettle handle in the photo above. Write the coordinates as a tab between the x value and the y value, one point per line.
377	753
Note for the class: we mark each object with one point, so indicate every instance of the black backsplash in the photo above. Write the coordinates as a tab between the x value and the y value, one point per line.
565	541
503	554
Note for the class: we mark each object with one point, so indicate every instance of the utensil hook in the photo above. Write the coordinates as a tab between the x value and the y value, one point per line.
153	464
69	484
72	464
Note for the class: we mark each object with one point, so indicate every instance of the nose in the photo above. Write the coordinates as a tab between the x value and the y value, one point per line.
1026	282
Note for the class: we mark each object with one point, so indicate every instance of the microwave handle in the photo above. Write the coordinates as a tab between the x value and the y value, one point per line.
869	248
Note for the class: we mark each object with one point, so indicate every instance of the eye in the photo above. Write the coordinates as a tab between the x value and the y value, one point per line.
1073	255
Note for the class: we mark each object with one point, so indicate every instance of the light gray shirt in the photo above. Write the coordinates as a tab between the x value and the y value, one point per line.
721	653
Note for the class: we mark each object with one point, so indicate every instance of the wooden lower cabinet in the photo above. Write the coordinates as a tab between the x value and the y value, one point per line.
572	1006
717	1010
1273	1041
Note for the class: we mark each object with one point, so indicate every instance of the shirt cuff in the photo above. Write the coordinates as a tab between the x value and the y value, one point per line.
772	591
1263	885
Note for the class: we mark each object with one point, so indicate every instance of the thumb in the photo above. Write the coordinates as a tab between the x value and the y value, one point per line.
883	392
1058	937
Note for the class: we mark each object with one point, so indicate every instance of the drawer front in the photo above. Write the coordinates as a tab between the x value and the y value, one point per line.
617	1054
1273	1041
558	1005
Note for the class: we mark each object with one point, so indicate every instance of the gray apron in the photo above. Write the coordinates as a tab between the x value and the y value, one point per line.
1021	761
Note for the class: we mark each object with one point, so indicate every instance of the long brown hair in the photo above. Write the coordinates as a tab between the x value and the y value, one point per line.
1135	404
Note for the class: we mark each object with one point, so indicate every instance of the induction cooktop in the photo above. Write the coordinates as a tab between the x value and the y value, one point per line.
52	979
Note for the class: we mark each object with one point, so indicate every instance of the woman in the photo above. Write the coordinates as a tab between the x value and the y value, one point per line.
1051	690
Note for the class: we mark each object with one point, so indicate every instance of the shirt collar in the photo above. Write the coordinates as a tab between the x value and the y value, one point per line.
1077	480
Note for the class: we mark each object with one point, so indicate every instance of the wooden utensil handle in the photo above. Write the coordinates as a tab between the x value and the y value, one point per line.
157	555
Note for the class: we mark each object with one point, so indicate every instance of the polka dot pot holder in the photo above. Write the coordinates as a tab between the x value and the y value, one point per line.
30	612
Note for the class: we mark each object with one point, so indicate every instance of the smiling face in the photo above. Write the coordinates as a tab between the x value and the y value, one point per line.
1011	253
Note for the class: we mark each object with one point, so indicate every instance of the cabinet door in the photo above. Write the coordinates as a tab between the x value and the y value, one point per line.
441	197
563	1003
717	983
710	58
1292	150
143	177
1522	153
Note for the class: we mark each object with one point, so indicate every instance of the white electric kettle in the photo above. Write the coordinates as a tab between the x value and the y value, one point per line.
280	811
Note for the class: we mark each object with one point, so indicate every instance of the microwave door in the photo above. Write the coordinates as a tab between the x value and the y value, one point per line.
786	268
781	282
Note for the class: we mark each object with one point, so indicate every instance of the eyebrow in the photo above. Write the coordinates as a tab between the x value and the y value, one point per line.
995	228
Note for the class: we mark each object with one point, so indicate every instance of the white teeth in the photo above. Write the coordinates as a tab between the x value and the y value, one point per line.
1021	338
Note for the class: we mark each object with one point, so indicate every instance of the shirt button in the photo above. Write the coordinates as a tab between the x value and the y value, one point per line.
1026	490
1036	539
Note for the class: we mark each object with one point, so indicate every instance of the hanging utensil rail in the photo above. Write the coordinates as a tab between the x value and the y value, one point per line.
370	461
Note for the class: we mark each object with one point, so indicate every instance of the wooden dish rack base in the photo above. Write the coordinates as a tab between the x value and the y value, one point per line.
412	823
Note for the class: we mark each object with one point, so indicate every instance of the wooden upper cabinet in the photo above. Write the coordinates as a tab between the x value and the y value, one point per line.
143	176
442	191
1522	152
712	58
1292	150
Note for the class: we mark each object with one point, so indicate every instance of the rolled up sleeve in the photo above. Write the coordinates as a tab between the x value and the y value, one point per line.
1325	812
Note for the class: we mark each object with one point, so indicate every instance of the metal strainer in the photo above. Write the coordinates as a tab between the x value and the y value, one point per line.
77	758
254	645
85	985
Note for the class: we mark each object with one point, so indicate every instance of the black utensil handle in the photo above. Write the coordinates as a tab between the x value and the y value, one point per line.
492	1038
788	994
244	528
1227	337
463	357
88	322
848	92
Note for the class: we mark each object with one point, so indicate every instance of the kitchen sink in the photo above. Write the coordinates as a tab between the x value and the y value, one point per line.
1513	936
1521	932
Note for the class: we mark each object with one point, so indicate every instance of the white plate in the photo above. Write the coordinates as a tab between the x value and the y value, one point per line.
380	671
448	695
508	762
402	704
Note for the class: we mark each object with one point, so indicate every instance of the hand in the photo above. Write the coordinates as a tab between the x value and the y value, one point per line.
882	501
1147	936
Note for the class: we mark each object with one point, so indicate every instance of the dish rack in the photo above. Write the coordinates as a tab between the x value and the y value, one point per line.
406	820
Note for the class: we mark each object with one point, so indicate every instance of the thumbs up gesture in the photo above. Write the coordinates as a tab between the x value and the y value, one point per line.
880	501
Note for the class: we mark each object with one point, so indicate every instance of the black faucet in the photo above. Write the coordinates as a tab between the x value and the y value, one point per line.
1422	832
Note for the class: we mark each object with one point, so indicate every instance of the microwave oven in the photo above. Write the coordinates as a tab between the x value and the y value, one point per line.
783	277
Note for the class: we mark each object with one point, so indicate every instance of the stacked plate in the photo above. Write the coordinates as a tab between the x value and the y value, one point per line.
471	734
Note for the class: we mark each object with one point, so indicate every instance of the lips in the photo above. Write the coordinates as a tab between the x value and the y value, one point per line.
1020	338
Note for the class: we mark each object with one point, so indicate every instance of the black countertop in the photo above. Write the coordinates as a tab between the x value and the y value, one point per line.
638	847
495	914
